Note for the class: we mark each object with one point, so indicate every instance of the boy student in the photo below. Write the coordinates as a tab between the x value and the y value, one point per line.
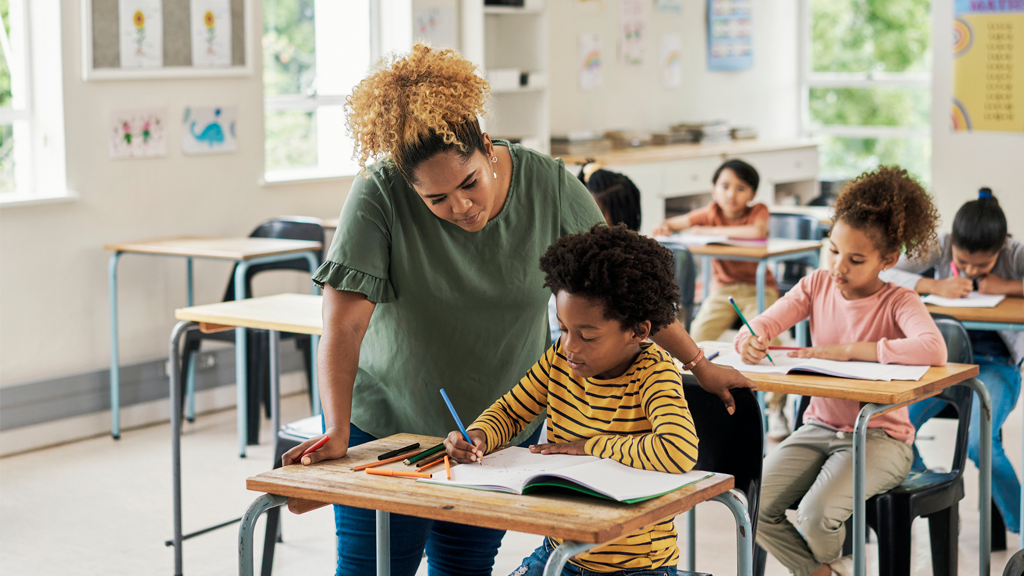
609	392
732	214
978	252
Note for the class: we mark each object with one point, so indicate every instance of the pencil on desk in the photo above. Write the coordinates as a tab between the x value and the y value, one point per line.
402	473
316	446
447	467
424	454
381	462
733	302
430	464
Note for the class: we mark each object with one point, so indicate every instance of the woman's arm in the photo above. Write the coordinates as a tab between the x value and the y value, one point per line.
716	379
346	317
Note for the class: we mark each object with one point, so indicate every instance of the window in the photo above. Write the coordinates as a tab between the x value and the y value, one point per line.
314	53
15	148
867	84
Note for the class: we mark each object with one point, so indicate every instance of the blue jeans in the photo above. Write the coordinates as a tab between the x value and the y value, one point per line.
452	549
534	566
1003	380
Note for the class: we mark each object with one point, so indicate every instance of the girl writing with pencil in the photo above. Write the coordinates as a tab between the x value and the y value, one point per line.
431	281
979	251
854	315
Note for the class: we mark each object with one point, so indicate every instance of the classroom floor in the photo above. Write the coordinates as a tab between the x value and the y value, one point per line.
104	507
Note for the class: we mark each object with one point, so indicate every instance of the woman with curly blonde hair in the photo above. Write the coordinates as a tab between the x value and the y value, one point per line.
432	281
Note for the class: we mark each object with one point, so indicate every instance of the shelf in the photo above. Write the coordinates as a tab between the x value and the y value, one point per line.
504	10
518	90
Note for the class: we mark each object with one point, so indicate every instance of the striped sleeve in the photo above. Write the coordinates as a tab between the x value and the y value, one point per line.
671	445
518	407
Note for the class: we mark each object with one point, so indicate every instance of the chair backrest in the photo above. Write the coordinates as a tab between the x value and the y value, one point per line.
286	227
730	444
686	279
793	226
958	342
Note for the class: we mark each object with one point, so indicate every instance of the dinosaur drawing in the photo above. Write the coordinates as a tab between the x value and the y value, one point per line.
213	134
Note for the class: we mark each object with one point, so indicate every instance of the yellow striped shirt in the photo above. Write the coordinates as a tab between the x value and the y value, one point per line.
639	419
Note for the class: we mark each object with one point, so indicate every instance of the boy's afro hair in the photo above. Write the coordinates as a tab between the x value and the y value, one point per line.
631	275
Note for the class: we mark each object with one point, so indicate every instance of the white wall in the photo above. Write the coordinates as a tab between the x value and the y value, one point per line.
54	310
963	162
765	97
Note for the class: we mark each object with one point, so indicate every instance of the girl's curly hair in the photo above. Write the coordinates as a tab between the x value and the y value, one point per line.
414	106
894	208
631	275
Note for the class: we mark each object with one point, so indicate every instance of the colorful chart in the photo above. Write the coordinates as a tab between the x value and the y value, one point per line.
988	67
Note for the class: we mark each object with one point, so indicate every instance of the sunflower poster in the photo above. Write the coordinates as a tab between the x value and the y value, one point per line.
211	33
141	28
988	66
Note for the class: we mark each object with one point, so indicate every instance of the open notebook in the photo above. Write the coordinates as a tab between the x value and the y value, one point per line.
705	239
973	300
857	370
519	471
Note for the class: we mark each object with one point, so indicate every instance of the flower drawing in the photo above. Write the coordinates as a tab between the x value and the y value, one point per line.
139	19
211	35
208	19
140	26
127	136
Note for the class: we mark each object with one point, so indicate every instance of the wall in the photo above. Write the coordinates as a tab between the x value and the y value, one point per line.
765	97
963	162
54	309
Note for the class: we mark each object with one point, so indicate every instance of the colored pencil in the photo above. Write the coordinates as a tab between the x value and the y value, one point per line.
398	451
402	473
447	467
430	464
952	267
424	454
319	444
379	463
456	417
733	302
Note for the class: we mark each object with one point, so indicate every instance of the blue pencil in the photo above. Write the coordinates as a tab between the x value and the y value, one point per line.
733	302
456	416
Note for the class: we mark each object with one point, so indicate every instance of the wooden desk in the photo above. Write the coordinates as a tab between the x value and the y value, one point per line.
331	223
245	251
583	522
878	398
822	213
298	313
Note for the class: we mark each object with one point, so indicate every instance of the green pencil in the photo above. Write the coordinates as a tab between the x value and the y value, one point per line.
428	452
733	302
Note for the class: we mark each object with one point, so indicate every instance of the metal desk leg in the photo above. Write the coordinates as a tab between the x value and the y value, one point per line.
762	269
383	543
190	390
737	503
275	385
691	540
561	555
258	507
115	366
705	265
860	432
175	386
985	476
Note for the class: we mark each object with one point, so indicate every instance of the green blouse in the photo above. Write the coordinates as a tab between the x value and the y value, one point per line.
463	311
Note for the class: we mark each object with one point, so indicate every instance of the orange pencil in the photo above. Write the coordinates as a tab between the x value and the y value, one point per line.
381	462
447	467
430	464
397	473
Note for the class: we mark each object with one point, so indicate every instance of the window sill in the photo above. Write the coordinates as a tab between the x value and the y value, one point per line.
22	199
300	175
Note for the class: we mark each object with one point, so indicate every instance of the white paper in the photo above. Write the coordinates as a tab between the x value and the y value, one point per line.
633	33
784	364
305	428
684	239
590	62
137	133
141	28
211	33
435	25
509	470
973	300
671	60
208	130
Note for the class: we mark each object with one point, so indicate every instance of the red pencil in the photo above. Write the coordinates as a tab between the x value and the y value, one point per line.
319	444
953	268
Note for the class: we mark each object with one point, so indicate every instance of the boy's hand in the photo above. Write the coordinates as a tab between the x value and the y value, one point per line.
461	451
576	448
752	350
335	448
954	287
839	352
992	284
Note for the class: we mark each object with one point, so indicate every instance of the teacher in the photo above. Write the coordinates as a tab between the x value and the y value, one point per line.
433	281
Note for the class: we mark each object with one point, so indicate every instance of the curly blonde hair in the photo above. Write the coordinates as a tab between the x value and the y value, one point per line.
410	107
894	207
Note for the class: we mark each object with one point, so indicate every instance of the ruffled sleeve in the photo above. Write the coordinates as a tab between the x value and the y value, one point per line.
340	277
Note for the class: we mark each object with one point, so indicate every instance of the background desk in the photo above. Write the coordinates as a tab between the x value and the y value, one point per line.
583	522
1007	315
245	251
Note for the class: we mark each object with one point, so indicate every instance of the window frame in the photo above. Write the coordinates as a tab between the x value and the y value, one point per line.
21	95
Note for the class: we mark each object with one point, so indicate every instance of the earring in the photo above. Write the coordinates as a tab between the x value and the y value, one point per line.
494	160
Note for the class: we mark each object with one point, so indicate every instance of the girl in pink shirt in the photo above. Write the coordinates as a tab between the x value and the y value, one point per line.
854	315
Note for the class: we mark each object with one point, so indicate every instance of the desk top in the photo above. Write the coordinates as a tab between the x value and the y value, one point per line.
822	213
579	518
220	248
1009	311
672	152
298	313
774	247
331	223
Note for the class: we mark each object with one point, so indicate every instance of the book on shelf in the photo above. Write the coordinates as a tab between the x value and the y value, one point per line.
785	364
518	471
684	239
973	300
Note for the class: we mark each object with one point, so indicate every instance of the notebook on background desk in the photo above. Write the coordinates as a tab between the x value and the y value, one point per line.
973	300
519	471
784	364
706	239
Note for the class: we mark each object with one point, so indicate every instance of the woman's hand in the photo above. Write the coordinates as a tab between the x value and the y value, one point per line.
461	451
839	352
752	349
719	380
663	229
577	448
953	287
335	448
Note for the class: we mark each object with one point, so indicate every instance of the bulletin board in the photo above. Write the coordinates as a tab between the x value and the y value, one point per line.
102	37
